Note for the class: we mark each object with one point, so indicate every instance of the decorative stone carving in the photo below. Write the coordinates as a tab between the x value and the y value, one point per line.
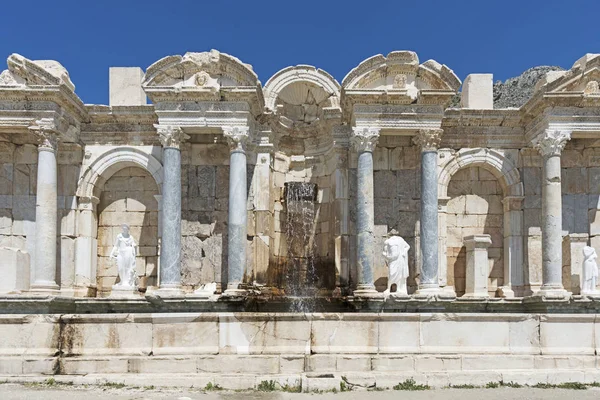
395	252
236	136
22	71
124	252
589	272
46	134
400	81
551	142
364	138
428	139
591	88
171	136
181	70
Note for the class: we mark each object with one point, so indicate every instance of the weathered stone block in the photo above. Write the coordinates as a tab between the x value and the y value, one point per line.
15	270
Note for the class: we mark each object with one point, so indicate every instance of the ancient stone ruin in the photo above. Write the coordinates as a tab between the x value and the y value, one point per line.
236	232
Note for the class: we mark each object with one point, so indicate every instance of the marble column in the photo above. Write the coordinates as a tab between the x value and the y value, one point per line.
46	212
171	138
429	141
236	136
550	145
364	141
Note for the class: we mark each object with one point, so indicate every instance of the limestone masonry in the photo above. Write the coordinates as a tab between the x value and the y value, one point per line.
168	222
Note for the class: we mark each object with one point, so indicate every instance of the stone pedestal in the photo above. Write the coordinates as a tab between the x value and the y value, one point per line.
476	284
429	140
237	137
14	266
550	145
46	212
364	141
171	138
124	292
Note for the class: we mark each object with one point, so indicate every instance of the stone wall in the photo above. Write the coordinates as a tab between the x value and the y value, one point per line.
475	207
205	192
239	351
128	197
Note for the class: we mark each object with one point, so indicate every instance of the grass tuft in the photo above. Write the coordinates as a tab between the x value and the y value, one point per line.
465	386
411	385
212	387
267	386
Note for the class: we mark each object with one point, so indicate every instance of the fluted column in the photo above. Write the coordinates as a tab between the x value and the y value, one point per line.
171	138
46	212
236	136
550	145
364	141
429	141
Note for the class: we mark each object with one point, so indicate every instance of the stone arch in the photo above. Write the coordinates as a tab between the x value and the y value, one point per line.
301	73
509	178
103	167
495	162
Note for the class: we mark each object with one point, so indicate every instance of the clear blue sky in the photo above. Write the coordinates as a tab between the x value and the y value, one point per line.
499	37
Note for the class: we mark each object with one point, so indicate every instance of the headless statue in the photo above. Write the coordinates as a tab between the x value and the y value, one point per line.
589	271
124	252
395	252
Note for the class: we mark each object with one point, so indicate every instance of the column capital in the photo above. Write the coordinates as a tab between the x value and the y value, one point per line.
364	139
428	139
551	142
46	134
170	136
237	137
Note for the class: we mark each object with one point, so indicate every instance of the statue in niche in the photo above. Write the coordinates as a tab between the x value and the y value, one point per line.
124	252
589	271
395	252
399	81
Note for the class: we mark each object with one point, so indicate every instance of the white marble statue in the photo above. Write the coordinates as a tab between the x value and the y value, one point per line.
124	252
395	252
589	271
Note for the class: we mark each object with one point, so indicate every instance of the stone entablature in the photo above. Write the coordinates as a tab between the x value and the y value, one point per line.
382	150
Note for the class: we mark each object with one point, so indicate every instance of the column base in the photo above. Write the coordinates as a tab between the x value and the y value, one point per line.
44	288
434	292
367	292
552	292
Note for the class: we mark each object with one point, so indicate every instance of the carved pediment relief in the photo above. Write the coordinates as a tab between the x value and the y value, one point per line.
24	72
211	70
583	77
400	71
302	99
